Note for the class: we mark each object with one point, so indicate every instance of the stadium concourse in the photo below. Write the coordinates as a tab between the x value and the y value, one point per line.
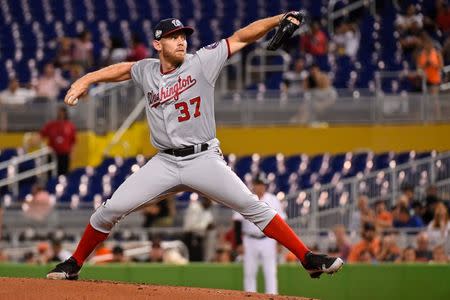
347	123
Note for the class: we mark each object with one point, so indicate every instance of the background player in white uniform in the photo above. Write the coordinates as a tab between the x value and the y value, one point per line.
259	250
179	91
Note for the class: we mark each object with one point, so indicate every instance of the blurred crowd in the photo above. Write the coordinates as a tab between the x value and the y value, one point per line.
424	37
425	224
74	58
411	230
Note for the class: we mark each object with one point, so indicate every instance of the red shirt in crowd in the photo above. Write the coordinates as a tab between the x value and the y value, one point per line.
138	52
443	20
316	44
61	135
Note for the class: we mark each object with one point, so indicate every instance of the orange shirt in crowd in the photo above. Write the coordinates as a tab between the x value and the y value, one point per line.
385	216
430	62
373	247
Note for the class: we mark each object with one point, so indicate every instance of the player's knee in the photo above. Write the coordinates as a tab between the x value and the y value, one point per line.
104	219
258	213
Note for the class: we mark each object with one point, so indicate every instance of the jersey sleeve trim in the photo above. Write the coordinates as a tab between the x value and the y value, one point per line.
228	48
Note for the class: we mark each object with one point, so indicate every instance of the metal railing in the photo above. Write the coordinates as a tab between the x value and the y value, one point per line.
261	62
331	204
226	82
343	12
40	166
107	113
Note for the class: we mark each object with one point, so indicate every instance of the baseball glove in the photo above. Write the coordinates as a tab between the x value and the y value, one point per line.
289	23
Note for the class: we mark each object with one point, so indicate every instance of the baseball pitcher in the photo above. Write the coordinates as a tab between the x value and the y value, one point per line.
179	95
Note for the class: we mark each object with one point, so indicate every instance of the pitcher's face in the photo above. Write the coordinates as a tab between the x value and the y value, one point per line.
172	47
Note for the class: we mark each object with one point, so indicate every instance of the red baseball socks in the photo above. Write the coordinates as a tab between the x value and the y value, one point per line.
279	230
89	241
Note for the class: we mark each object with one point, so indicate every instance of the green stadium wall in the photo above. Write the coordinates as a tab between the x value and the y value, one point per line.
362	282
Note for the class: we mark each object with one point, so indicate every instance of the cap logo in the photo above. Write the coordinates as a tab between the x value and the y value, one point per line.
176	23
158	33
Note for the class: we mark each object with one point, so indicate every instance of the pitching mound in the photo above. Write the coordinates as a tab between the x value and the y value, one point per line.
28	288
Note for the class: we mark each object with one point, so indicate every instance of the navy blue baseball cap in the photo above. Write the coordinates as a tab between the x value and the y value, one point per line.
171	25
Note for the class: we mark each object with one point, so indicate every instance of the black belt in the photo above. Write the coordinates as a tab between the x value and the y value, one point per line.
258	237
187	151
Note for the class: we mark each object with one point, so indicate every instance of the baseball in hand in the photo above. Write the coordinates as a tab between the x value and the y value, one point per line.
75	101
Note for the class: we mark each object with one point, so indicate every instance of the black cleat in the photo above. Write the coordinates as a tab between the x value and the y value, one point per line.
316	264
67	270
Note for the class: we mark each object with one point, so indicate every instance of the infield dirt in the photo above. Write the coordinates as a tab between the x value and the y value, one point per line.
30	288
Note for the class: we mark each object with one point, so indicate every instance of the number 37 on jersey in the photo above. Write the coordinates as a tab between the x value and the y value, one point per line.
188	109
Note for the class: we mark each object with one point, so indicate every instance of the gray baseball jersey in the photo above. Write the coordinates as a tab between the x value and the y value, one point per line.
180	112
180	104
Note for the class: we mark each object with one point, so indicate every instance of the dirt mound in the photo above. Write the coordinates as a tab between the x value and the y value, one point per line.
29	288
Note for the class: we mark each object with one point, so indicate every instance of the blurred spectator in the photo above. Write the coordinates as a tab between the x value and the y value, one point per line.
408	255
3	256
443	16
342	246
315	42
365	257
410	28
370	242
439	227
293	81
118	255
50	83
223	254
418	211
321	95
431	199
138	49
430	61
28	258
383	218
75	72
102	253
39	205
408	193
173	256
409	21
361	216
43	253
197	221
156	253
61	135
446	53
83	50
390	251
423	253
118	52
346	40
64	54
403	219
319	82
402	200
439	255
160	214
16	95
59	254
